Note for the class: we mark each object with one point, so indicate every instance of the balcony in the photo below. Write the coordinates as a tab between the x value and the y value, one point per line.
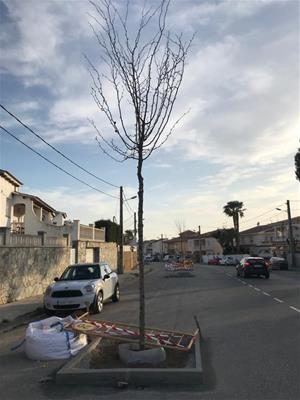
17	227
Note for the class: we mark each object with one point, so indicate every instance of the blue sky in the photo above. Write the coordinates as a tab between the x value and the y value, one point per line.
241	85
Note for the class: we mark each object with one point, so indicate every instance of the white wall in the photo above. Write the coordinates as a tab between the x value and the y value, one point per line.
32	222
6	190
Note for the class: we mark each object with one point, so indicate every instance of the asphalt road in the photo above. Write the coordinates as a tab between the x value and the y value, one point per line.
250	347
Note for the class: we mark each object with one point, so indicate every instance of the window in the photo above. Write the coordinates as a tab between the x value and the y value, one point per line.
81	272
105	270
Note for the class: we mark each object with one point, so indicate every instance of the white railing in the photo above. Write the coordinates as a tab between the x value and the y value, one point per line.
23	240
86	232
16	240
91	233
100	234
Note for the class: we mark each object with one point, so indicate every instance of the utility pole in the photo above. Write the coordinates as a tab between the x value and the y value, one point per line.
291	236
200	249
134	230
120	264
162	246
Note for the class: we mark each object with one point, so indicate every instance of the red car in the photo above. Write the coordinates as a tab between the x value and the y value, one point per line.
213	261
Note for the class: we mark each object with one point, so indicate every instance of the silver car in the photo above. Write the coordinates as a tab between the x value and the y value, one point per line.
83	286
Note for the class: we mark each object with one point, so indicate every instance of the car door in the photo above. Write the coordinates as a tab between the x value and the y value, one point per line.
108	285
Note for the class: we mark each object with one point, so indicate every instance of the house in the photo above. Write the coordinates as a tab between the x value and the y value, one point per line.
271	239
24	213
178	245
208	244
159	246
27	214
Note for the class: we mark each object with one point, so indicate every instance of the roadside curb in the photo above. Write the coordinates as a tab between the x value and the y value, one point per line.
21	320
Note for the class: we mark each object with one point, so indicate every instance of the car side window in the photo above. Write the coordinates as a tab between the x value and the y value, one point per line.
108	270
102	270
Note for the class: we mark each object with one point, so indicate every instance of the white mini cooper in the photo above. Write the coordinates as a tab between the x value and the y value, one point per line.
82	286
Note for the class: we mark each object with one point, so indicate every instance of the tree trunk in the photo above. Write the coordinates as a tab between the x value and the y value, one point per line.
140	251
237	235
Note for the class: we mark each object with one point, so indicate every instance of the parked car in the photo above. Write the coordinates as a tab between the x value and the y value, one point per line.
83	286
231	261
278	263
213	261
228	260
222	261
169	257
156	258
148	259
253	266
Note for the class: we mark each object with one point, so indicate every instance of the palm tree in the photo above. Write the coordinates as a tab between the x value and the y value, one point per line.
235	210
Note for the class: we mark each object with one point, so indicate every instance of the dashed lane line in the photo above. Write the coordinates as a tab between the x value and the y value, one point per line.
295	309
259	290
279	301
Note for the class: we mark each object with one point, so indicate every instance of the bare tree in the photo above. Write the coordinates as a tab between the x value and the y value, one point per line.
145	71
180	226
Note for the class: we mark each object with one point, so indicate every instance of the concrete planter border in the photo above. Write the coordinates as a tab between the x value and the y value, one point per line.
72	374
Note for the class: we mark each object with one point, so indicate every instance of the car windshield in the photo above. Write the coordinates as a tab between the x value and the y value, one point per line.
81	272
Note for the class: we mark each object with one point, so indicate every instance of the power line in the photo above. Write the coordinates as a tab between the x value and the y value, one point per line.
258	216
128	206
55	165
56	150
272	216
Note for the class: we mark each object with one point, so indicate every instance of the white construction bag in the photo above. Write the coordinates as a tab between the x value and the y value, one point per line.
46	340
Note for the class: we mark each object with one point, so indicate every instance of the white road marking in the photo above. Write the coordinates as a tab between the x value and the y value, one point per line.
257	289
279	301
250	285
266	294
245	283
294	308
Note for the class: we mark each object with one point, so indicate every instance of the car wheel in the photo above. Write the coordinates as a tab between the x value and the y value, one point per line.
267	275
244	275
98	303
116	295
237	272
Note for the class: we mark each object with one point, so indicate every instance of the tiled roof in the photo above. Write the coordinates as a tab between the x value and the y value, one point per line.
263	228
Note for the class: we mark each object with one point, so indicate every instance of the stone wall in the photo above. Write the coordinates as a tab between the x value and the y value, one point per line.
27	271
102	251
109	253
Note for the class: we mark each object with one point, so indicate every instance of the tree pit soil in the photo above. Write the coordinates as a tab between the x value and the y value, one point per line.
106	356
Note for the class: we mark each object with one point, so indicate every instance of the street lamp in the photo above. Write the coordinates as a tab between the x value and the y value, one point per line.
291	238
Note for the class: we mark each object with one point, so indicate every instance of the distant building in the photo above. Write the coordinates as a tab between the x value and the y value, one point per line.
188	242
270	239
209	244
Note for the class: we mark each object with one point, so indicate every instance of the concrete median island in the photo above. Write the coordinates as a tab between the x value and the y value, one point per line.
99	364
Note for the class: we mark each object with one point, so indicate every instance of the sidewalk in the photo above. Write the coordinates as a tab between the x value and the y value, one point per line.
11	311
18	311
